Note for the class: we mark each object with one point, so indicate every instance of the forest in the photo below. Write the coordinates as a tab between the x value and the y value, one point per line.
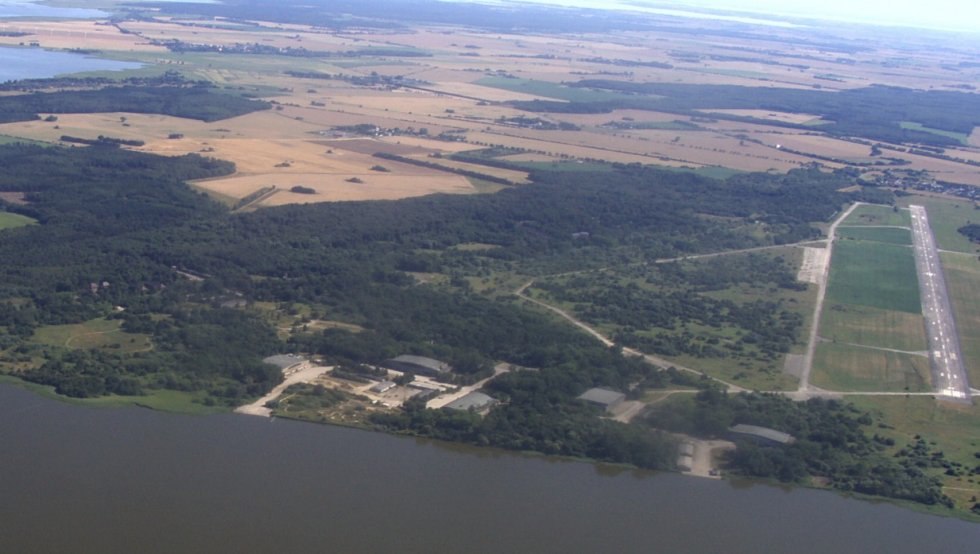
875	112
194	102
833	441
119	229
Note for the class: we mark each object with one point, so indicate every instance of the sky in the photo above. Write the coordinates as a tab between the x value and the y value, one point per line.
955	15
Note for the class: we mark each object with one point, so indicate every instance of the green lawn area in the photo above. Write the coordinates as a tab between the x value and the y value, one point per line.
878	215
162	400
963	283
676	125
945	217
97	333
10	221
552	90
565	166
842	367
953	429
849	323
874	274
913	126
890	235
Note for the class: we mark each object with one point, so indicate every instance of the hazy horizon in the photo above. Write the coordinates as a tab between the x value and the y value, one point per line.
947	15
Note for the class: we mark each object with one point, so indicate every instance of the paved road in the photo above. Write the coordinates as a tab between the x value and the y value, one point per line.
811	346
949	375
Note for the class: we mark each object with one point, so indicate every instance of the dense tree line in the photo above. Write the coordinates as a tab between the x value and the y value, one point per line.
971	231
194	102
873	112
831	442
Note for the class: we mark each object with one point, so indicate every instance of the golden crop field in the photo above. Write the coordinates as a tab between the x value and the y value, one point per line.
75	34
785	117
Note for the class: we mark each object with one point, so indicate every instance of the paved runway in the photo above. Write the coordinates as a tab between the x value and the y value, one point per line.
949	375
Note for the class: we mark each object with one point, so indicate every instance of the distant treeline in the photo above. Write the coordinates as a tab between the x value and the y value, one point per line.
874	112
456	170
102	141
971	231
194	102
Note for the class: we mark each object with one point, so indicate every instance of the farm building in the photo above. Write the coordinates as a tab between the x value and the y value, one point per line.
760	435
603	398
685	456
418	365
475	401
283	361
383	386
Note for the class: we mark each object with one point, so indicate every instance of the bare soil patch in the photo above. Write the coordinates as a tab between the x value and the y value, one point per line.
337	187
372	146
786	117
76	34
18	198
814	266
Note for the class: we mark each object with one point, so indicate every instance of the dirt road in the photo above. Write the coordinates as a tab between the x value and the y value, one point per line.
302	374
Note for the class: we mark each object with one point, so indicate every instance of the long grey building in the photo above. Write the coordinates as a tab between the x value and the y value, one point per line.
761	435
606	399
418	365
475	401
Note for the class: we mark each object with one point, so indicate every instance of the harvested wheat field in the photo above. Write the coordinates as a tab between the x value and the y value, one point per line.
76	34
785	117
333	188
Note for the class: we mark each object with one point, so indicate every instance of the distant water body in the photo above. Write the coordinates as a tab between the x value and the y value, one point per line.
36	63
16	8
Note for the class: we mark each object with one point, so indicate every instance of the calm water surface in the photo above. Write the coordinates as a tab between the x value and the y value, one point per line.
75	479
36	63
22	8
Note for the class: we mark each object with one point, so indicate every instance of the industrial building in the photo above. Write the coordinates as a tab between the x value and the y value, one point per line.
606	399
283	361
474	401
383	386
417	365
760	435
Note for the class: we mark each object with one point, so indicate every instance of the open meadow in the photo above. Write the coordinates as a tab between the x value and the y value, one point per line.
105	334
950	432
963	283
946	215
874	274
9	220
878	216
846	367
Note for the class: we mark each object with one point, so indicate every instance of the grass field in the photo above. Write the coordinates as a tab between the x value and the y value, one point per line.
9	220
945	217
889	235
97	333
162	400
550	90
963	283
873	327
913	126
950	429
844	367
874	274
868	214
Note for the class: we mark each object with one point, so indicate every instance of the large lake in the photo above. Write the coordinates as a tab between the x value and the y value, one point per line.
76	479
36	63
22	8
